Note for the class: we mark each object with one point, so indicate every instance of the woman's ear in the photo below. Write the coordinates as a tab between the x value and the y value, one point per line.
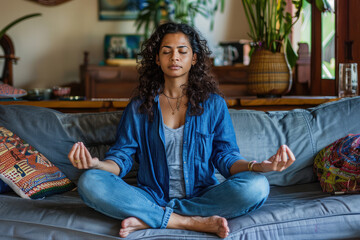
194	59
157	60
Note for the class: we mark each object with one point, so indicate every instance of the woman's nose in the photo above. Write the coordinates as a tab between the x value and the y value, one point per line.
175	56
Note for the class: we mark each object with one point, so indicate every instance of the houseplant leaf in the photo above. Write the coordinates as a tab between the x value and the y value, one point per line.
291	56
7	27
156	11
322	5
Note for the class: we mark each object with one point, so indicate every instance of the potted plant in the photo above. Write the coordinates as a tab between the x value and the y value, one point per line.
154	12
270	25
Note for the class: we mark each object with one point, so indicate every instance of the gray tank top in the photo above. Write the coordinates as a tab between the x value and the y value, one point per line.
173	148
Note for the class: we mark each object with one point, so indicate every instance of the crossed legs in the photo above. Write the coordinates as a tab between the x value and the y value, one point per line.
240	194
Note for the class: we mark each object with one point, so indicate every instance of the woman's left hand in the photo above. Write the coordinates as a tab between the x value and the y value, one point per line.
80	157
278	162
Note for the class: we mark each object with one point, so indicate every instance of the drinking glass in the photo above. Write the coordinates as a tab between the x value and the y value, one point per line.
348	80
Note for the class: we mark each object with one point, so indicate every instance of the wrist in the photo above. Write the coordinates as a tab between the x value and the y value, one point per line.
254	166
98	165
251	166
257	167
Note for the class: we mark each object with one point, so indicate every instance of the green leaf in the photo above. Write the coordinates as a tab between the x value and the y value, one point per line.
320	5
7	27
291	56
250	17
177	11
222	5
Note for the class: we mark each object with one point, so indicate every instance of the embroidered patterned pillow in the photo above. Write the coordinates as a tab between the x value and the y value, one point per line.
29	173
337	166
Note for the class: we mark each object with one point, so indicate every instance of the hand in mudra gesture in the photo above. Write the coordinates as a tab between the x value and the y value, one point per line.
283	158
80	157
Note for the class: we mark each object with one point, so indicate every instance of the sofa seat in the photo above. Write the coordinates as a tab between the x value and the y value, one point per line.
297	212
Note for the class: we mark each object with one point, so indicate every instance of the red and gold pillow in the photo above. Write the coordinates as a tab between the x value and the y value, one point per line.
337	166
29	173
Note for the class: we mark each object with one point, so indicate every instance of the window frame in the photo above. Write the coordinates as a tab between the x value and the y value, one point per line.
322	86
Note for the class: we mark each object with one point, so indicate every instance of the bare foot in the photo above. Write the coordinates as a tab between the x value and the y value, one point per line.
214	224
130	225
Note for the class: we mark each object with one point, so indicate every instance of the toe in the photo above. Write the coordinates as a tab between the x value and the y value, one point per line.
123	233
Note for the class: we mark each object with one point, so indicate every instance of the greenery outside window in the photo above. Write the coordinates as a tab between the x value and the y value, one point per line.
327	37
305	28
328	43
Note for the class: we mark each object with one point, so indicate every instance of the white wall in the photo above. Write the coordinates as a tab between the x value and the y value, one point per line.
51	46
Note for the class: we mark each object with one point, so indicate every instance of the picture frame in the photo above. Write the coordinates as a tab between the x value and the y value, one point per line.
122	46
119	9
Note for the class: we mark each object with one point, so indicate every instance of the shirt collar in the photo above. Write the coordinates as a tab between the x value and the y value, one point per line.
156	99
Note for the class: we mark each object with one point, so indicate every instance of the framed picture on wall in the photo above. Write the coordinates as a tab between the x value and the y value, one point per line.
119	9
122	46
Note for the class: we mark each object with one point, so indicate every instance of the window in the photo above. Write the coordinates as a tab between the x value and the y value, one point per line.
328	43
318	30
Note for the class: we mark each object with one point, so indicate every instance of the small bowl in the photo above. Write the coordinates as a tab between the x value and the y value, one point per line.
61	91
39	94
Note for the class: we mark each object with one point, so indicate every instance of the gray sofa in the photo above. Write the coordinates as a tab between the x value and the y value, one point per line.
296	209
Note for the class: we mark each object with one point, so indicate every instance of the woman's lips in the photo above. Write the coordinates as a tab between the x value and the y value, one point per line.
174	67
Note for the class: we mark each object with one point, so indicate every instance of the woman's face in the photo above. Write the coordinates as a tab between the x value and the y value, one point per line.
175	56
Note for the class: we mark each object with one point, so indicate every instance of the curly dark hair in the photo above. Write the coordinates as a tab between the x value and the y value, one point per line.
201	83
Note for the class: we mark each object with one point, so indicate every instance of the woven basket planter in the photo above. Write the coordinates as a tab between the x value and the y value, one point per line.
269	74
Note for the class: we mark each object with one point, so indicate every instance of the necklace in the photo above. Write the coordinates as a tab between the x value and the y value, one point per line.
178	102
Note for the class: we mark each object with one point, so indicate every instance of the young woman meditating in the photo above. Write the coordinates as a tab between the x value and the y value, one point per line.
179	130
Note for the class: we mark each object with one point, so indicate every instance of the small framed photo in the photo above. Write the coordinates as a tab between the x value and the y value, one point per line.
119	9
118	46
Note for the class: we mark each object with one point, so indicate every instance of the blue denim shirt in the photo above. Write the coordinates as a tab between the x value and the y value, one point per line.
209	144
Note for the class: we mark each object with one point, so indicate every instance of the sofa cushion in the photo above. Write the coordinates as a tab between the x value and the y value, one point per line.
42	129
27	171
306	131
258	134
337	166
53	133
296	212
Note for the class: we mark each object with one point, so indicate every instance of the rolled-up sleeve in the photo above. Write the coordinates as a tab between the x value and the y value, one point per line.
126	144
225	149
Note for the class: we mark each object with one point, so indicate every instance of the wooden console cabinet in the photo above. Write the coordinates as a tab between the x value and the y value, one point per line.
121	81
108	81
232	80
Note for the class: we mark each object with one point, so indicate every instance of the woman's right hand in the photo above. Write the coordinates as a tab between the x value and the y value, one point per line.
80	157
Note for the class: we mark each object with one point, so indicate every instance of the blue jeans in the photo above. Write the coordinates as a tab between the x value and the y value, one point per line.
110	195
